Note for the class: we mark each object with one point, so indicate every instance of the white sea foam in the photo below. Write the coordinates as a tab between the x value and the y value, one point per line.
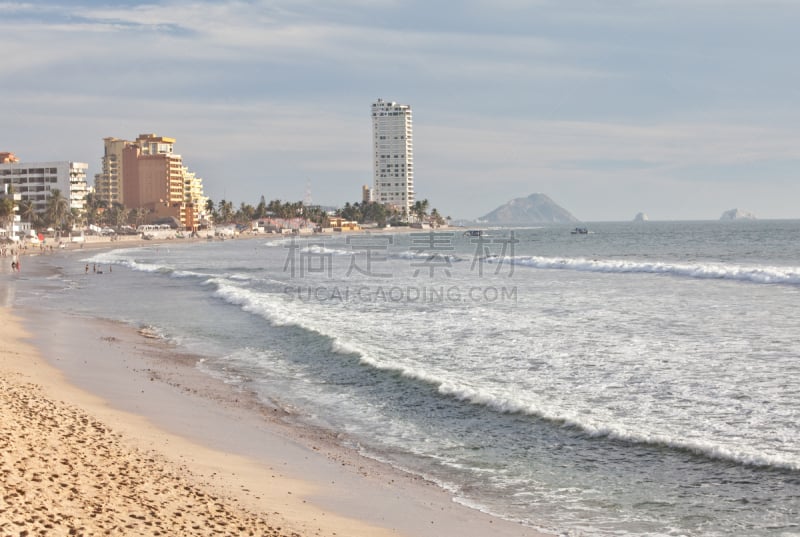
279	242
233	288
618	431
427	255
276	312
189	274
647	369
756	274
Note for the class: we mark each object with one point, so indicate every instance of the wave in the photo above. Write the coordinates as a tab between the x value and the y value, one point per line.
619	432
278	313
753	274
114	258
310	246
426	255
257	303
278	242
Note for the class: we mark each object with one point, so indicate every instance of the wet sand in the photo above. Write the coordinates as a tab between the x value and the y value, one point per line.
106	431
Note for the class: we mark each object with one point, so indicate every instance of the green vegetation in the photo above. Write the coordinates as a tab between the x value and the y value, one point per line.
224	213
6	212
373	212
99	213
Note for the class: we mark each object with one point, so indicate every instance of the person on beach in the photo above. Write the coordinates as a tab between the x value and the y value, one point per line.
87	269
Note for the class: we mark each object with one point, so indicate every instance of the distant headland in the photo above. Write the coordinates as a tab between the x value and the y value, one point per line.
535	209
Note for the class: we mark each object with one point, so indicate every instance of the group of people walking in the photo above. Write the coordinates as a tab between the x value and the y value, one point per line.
94	269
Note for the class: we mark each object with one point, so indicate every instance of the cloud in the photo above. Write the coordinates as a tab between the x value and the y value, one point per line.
638	99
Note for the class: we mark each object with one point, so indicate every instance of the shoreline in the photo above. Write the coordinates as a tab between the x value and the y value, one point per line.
154	396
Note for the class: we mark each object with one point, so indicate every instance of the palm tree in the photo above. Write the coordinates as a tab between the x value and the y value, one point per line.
6	212
225	211
137	216
75	217
57	209
274	207
95	208
27	211
420	209
436	218
115	215
119	215
246	213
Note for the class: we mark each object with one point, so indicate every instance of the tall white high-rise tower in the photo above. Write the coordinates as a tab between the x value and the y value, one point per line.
393	165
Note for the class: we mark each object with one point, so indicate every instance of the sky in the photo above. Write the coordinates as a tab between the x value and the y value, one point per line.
681	109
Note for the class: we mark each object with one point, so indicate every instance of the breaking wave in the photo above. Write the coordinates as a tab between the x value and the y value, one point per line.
753	274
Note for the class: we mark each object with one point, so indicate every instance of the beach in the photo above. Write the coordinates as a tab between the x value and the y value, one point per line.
357	385
107	431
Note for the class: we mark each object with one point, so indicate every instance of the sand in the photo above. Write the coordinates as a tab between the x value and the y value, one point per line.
66	471
106	432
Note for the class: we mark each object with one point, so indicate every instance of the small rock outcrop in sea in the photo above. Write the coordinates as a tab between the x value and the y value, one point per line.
535	209
640	217
737	214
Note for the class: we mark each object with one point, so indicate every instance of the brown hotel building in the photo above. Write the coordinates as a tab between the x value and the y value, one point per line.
147	174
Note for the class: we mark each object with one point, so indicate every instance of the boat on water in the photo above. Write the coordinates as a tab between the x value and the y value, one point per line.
580	231
473	233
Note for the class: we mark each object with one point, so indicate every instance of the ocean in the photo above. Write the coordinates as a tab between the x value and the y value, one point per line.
640	380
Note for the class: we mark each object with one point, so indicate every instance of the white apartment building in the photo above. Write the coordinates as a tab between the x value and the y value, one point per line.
193	194
12	226
393	164
34	181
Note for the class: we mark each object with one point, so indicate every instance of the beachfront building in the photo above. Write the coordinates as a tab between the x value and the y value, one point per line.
154	179
147	174
393	162
10	225
34	181
108	183
194	196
